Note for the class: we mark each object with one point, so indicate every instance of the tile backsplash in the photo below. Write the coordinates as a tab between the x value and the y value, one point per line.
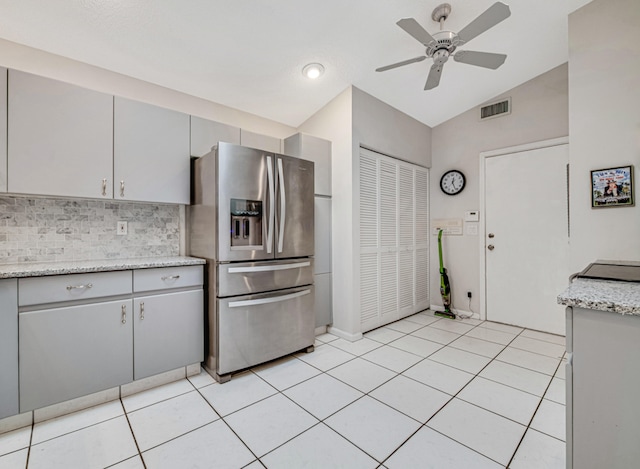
34	229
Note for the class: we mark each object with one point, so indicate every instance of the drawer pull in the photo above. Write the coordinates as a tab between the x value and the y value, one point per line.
79	287
142	311
170	277
104	187
124	314
121	188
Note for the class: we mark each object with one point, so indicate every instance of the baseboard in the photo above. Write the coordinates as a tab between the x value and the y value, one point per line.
457	311
344	335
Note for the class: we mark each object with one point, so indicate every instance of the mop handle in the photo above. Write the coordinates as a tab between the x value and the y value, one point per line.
440	250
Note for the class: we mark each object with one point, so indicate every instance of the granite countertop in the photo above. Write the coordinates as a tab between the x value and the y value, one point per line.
104	265
603	295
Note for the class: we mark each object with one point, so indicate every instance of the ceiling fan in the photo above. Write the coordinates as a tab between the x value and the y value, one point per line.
442	44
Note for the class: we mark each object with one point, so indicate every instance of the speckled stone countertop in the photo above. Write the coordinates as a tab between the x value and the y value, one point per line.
79	267
603	295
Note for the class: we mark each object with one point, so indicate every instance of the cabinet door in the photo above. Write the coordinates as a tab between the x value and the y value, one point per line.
205	134
317	150
259	141
8	348
3	129
168	332
151	153
60	138
70	352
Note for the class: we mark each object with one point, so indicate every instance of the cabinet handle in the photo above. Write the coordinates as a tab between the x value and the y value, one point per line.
170	277
79	287
124	314
121	188
142	311
104	187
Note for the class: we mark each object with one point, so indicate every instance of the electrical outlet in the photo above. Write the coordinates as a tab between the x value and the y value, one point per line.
121	228
468	294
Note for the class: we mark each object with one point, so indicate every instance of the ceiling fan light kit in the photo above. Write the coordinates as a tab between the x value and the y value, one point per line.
442	45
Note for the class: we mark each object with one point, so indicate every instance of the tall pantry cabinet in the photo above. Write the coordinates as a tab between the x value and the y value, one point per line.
318	150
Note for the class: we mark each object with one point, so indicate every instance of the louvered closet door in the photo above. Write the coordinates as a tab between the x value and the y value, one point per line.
388	241
393	239
406	256
422	300
369	294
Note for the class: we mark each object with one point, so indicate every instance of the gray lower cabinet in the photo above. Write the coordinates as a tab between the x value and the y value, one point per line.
603	385
8	347
73	351
168	332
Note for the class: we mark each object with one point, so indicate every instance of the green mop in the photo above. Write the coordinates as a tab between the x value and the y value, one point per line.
445	289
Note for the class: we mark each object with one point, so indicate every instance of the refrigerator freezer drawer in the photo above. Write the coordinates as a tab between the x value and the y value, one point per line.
246	277
254	329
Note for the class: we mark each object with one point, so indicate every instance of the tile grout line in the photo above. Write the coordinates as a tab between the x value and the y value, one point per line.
135	440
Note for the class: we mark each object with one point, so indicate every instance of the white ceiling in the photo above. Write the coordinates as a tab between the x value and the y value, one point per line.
248	54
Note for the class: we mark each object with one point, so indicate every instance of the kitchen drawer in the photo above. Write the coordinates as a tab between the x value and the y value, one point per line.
167	277
57	288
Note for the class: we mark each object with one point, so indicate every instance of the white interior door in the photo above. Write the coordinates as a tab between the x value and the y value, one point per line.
526	237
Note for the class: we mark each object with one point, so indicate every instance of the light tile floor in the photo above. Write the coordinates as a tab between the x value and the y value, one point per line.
422	392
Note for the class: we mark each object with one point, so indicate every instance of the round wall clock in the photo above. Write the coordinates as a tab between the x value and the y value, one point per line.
452	182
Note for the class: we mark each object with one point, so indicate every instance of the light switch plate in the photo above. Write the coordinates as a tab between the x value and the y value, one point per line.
472	215
121	229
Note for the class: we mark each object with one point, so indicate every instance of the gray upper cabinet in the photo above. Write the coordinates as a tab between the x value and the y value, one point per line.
259	141
150	154
205	134
317	150
3	130
60	138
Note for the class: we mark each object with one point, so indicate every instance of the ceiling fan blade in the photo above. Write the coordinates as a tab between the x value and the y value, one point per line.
411	26
433	79
480	59
492	16
400	64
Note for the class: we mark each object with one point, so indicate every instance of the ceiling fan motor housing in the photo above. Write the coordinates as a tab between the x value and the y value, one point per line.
444	40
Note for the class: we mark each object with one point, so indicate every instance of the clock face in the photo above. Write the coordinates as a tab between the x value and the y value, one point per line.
452	182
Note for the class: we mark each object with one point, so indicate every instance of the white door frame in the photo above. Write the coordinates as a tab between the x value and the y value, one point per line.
482	236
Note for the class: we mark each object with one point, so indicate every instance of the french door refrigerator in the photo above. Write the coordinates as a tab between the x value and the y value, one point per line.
252	217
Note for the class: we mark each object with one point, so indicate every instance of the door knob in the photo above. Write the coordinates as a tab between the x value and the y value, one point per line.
491	247
491	235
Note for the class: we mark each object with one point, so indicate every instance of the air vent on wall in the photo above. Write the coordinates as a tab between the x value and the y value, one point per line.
492	110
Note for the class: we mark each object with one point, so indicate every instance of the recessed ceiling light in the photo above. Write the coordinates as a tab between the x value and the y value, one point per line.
313	71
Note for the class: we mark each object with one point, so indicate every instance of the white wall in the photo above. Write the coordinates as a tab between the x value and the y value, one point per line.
539	112
386	130
604	125
27	59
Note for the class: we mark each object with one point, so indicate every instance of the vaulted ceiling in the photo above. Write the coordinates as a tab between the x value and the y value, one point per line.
248	54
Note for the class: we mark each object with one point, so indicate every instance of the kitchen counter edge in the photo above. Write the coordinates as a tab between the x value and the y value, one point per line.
103	265
603	295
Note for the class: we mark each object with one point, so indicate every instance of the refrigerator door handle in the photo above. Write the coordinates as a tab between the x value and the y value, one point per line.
267	268
272	204
283	206
272	299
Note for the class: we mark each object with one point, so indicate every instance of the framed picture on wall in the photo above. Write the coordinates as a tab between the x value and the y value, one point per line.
612	187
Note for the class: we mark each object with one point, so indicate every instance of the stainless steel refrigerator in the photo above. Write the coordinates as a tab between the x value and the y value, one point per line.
252	217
